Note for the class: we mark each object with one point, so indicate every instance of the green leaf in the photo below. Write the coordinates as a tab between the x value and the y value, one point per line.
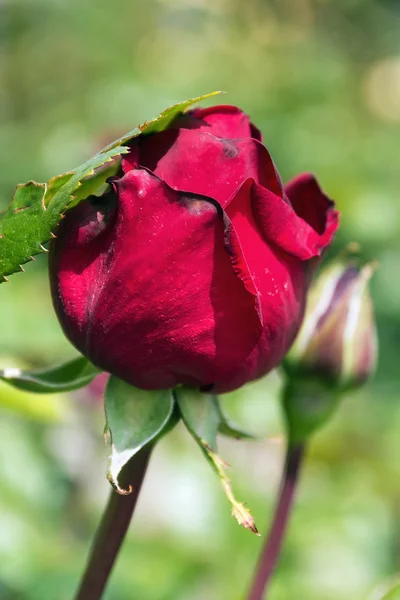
63	378
35	212
96	184
54	186
201	415
134	418
37	208
27	194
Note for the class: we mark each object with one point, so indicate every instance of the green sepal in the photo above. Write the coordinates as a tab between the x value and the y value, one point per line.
36	209
134	418
308	404
229	429
69	376
202	417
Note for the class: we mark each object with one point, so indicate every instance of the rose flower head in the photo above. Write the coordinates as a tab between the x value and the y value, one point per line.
193	267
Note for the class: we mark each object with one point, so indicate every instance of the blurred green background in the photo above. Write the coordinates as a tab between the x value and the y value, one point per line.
321	78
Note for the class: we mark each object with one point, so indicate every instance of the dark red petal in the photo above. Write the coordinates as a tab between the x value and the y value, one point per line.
226	121
310	202
240	265
197	162
166	306
76	263
303	230
280	283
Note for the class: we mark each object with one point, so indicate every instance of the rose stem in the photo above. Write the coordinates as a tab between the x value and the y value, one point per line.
112	529
271	550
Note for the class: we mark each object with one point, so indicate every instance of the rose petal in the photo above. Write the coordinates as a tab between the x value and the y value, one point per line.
311	204
280	283
198	162
226	121
304	229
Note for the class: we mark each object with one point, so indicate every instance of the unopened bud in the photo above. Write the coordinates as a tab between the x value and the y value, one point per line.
337	343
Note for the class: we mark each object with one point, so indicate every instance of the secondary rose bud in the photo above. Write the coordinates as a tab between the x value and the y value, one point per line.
337	342
194	267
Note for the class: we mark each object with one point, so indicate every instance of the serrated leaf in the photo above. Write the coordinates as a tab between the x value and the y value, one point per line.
36	210
96	184
168	115
228	428
69	376
201	415
27	194
33	215
161	122
134	418
54	185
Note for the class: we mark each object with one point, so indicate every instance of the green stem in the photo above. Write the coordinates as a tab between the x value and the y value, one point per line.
270	554
112	529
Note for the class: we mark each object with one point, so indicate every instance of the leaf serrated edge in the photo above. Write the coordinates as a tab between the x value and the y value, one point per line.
83	172
147	124
17	187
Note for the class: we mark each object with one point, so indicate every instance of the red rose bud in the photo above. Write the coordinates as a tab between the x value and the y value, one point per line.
194	267
337	342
